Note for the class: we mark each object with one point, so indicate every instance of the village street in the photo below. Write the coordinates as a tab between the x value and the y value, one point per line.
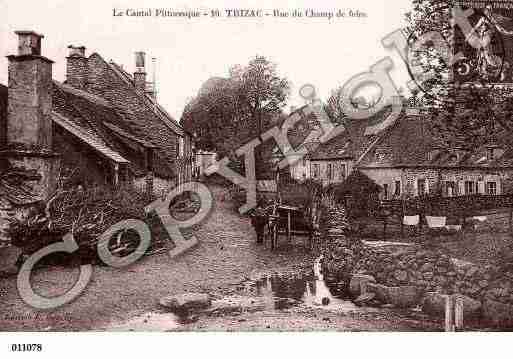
226	257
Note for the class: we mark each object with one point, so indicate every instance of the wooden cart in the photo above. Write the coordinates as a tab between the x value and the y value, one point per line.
289	221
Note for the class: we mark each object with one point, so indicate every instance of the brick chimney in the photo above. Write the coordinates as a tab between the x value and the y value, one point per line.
76	67
30	94
29	122
140	72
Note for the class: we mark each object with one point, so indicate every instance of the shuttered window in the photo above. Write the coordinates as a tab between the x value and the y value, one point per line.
329	171
491	188
470	187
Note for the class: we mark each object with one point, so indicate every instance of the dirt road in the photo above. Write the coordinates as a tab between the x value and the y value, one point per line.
226	256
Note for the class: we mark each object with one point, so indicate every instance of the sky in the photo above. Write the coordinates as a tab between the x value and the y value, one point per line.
324	53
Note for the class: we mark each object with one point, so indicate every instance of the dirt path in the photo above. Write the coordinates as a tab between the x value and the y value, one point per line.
226	256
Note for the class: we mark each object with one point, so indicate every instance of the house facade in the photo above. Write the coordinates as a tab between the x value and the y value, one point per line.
102	126
406	160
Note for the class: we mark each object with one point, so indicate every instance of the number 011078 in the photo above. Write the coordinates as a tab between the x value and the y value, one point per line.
26	347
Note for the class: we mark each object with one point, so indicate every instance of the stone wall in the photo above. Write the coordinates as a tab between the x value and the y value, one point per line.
402	270
77	71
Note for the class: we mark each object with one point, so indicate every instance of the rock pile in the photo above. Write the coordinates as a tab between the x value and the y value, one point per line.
413	275
340	252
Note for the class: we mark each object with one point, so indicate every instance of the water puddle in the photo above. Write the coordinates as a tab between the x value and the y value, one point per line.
286	291
148	322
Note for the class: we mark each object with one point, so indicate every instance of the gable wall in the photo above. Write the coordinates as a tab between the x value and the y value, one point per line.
103	81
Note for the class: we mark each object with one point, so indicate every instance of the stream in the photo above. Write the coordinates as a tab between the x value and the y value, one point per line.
267	293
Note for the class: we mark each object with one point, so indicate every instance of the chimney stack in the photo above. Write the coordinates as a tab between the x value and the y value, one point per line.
76	67
29	43
140	72
29	121
152	90
30	94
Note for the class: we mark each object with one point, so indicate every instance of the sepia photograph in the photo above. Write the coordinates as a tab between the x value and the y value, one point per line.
191	168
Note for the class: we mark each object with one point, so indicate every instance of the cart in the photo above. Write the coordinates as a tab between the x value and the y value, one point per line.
289	221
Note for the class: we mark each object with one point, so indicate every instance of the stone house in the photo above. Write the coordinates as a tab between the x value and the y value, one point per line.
329	162
101	123
406	160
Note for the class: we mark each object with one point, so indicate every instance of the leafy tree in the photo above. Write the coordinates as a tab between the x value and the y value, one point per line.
227	112
467	107
261	92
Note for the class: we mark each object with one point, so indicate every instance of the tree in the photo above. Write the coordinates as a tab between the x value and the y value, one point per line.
213	115
261	91
228	112
467	107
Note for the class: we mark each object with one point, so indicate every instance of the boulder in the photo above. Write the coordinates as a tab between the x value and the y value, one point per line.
357	280
237	304
8	258
401	297
186	302
380	290
434	304
401	275
365	298
498	313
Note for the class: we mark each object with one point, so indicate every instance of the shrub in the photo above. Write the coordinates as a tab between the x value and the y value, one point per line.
87	214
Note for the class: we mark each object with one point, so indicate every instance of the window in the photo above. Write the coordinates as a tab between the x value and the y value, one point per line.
490	154
181	148
450	188
342	171
432	155
304	162
329	171
397	189
315	170
470	187
491	188
421	186
385	190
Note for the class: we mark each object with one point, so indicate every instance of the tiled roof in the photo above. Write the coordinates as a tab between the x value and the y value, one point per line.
410	142
352	141
3	113
103	124
129	136
150	102
88	137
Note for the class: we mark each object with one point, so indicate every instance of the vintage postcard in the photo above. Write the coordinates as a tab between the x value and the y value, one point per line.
244	166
